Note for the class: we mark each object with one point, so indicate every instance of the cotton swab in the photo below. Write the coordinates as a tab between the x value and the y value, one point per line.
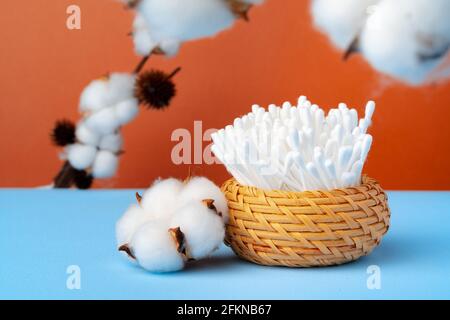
296	147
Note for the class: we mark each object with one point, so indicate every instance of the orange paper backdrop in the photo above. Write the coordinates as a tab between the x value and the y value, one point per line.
275	57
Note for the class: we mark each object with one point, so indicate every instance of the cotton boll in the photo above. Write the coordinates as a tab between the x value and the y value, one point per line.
111	142
407	38
126	110
155	249
161	199
170	47
81	156
142	39
341	20
120	87
131	220
86	135
94	96
104	121
182	20
202	227
199	188
143	44
105	164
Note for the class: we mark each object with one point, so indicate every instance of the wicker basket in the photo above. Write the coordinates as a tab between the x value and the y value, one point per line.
305	229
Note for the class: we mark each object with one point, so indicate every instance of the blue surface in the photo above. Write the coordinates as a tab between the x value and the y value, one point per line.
42	232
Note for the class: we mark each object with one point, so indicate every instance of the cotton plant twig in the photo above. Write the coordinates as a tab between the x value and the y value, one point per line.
85	154
153	88
64	178
141	64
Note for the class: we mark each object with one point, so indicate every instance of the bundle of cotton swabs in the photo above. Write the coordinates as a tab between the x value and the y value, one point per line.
296	148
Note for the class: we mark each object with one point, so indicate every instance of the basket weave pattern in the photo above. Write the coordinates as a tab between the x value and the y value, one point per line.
305	229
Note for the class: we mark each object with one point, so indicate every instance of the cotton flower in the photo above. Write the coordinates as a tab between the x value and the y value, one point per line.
132	219
342	20
105	164
126	110
144	43
202	227
120	87
81	156
169	227
111	142
163	25
110	102
142	38
200	188
86	136
95	96
183	20
407	38
161	199
107	91
104	121
156	249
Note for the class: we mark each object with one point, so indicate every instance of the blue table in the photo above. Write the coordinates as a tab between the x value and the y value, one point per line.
43	232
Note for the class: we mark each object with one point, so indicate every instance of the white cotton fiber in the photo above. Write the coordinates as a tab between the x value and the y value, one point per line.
106	92
86	135
81	156
143	43
203	229
104	121
94	96
155	249
105	164
200	188
341	20
121	87
127	225
126	110
407	38
161	199
111	142
182	20
170	47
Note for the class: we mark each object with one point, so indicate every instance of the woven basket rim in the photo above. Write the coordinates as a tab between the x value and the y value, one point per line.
366	183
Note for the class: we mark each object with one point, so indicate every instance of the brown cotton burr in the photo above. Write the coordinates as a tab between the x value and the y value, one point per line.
180	239
131	4
155	88
239	8
138	197
209	203
125	248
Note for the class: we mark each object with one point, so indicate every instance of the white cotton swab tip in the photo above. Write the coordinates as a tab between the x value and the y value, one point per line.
301	100
370	109
303	148
255	108
365	146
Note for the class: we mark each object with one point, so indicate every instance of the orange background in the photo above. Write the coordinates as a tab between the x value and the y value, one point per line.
275	57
